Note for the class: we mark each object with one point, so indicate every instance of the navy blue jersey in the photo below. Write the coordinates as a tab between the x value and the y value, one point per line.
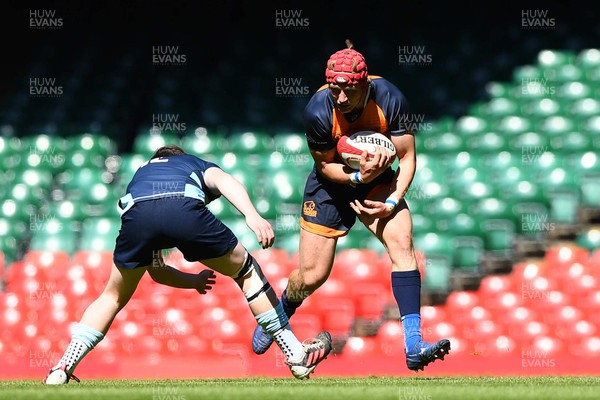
386	112
173	176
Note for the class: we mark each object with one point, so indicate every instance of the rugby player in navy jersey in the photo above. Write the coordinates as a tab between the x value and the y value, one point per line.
165	207
334	195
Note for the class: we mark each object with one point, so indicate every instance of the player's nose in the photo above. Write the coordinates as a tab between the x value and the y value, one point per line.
342	98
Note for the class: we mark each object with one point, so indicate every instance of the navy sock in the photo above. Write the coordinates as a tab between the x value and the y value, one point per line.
289	306
406	286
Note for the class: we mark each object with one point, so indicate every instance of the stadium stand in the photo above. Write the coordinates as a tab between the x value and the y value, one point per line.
506	215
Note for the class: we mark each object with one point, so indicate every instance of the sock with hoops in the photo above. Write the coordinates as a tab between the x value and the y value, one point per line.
275	323
83	340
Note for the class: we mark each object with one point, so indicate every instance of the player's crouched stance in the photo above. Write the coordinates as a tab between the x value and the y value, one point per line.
153	220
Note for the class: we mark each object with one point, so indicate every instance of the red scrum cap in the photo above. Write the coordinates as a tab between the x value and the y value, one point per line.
346	66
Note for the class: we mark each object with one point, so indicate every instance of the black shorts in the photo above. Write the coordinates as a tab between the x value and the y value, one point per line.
184	223
326	207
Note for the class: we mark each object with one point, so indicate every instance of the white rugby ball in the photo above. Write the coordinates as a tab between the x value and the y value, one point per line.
351	147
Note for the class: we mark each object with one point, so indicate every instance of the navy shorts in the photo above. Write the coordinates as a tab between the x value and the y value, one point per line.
326	207
182	222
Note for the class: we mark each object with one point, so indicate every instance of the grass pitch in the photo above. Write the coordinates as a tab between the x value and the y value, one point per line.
370	388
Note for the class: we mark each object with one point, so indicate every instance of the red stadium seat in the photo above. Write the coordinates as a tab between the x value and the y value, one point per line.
589	305
482	329
491	285
52	264
306	325
531	331
275	263
433	314
562	256
526	271
576	331
361	346
370	299
563	315
460	301
502	302
390	337
494	346
337	316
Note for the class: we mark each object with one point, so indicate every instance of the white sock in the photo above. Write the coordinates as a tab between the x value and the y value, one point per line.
73	355
288	343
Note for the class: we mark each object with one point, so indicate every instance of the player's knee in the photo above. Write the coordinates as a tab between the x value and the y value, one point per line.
312	281
402	242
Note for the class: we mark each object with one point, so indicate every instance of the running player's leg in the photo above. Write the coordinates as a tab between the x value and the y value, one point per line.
267	310
395	232
95	322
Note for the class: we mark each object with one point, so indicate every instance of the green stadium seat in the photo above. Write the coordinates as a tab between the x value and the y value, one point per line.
588	59
498	235
562	191
291	143
12	234
589	239
443	142
564	73
533	219
541	108
422	223
146	143
488	142
585	167
555	58
473	190
208	146
574	91
468	252
44	152
529	143
492	208
52	235
223	209
571	142
246	237
35	177
513	125
251	142
500	89
527	72
99	234
438	251
17	210
584	108
461	224
93	144
500	107
468	126
79	158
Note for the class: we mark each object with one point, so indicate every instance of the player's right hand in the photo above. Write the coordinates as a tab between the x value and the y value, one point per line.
205	280
262	229
370	168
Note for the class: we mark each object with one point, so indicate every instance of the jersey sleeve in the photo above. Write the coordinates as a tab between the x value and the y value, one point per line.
395	107
317	123
203	165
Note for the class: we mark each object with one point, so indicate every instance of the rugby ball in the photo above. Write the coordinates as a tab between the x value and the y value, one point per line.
351	147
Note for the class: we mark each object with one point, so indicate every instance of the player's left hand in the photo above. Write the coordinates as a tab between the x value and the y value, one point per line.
262	229
205	280
375	209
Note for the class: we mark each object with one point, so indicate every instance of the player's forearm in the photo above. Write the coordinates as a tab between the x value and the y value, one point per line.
336	172
169	276
236	194
404	176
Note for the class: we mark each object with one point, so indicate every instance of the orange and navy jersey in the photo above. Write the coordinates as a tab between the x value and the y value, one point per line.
325	125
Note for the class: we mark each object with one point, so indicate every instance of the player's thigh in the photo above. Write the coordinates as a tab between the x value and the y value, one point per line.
228	264
123	282
394	231
316	254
